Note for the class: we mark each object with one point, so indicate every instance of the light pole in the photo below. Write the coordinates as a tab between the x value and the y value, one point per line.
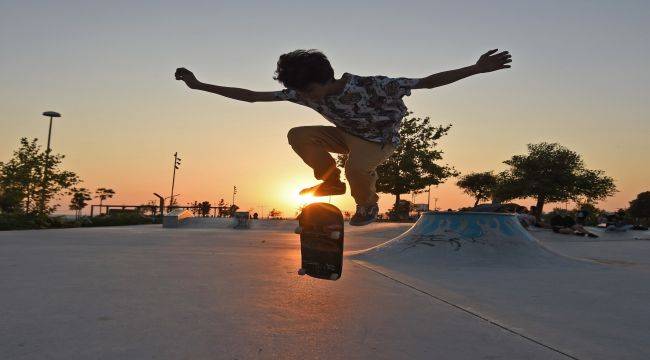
429	198
50	114
177	163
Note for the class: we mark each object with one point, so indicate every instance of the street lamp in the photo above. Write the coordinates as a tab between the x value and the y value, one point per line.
177	163
50	114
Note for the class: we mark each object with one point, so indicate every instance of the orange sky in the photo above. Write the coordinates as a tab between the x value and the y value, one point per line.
579	78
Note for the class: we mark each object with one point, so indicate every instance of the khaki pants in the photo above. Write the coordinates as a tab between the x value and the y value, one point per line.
314	143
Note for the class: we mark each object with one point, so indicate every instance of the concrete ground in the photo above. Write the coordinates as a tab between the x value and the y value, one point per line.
146	292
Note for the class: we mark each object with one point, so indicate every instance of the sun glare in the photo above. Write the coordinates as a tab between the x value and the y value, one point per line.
301	200
295	200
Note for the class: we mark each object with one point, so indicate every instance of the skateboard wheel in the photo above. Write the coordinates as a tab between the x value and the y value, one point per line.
335	235
298	230
301	271
334	276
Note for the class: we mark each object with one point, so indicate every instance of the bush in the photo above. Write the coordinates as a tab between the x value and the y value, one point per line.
117	220
18	221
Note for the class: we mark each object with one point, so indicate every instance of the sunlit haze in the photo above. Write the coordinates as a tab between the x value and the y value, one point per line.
580	77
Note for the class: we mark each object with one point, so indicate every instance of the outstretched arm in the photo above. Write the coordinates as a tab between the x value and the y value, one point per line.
229	92
490	61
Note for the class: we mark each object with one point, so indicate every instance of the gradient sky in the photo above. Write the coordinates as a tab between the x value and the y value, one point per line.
580	77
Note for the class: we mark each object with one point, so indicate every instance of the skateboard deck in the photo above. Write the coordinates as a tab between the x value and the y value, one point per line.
320	226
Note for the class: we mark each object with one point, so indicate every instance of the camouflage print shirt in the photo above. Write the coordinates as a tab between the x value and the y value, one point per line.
369	107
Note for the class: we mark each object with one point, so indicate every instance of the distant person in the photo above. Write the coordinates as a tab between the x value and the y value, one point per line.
616	222
255	216
525	218
565	224
366	110
582	215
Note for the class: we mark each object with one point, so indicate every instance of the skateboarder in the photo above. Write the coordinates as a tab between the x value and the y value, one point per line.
366	110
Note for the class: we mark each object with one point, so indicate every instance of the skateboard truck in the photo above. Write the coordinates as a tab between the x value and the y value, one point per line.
302	272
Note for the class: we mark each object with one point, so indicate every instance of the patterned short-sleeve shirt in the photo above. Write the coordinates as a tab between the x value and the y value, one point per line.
369	107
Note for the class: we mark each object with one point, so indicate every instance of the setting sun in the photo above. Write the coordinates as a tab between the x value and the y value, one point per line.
296	200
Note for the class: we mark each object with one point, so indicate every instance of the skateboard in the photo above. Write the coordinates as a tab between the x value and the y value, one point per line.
320	226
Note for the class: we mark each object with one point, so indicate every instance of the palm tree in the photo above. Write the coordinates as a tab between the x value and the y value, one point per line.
78	200
103	194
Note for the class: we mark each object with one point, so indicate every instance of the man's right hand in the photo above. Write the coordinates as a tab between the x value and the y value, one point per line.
187	76
491	61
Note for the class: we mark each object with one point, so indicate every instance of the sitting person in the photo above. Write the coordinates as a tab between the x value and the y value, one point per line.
564	224
616	222
525	218
582	215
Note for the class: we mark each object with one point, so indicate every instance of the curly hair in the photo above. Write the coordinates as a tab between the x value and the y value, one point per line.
299	68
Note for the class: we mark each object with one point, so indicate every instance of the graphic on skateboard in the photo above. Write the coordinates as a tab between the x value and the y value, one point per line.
320	226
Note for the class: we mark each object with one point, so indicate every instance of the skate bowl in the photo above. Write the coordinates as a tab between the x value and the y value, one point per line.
461	240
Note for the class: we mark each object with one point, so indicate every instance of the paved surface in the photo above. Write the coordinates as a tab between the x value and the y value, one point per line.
144	292
587	298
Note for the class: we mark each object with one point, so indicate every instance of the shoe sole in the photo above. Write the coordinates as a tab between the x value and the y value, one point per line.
338	192
328	194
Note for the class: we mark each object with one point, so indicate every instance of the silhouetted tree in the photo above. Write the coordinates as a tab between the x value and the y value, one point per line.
151	207
103	194
552	173
32	179
412	167
480	185
274	214
10	201
640	207
194	208
222	208
78	200
204	208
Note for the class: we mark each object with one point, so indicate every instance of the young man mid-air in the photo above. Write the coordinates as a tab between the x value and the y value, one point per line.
366	110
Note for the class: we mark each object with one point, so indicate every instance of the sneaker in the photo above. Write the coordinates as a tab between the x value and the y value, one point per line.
364	215
325	188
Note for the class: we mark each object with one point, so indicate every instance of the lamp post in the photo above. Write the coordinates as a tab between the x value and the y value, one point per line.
232	206
177	163
50	114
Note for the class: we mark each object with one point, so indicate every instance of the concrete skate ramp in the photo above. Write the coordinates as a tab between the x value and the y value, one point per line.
461	239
